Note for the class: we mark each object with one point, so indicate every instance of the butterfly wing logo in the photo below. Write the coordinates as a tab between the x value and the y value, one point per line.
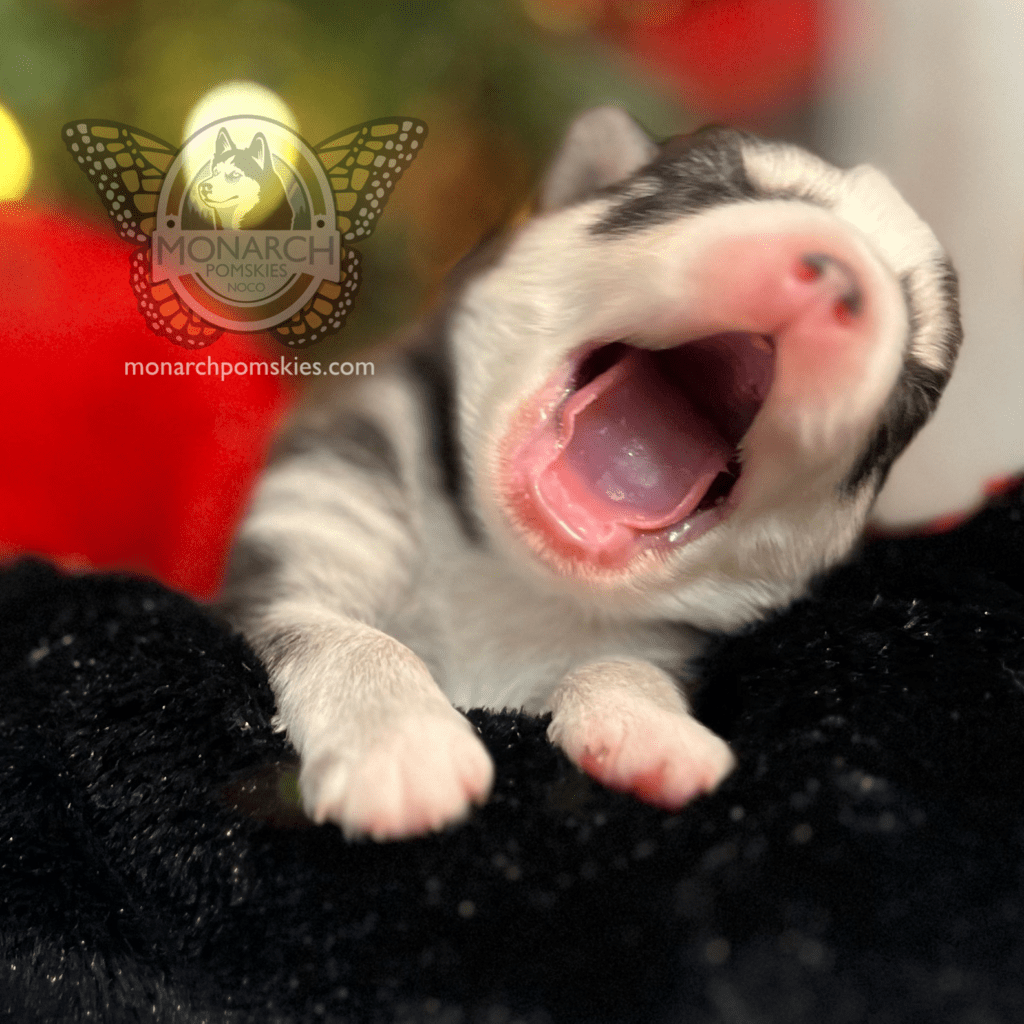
127	168
363	164
138	179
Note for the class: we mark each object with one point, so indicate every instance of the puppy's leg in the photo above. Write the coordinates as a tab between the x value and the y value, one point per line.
627	724
328	550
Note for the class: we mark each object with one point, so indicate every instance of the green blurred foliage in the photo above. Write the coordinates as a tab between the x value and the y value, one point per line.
495	91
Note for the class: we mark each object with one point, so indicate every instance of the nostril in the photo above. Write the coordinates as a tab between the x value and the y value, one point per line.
849	306
811	267
816	266
843	312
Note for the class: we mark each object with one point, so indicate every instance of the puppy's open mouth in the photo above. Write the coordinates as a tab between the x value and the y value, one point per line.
639	447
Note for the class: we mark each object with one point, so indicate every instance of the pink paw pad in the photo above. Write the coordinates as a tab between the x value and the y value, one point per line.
667	770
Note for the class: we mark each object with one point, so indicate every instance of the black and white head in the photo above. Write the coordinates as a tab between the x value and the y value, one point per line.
681	384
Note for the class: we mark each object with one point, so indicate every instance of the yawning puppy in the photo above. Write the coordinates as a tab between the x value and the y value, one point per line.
661	407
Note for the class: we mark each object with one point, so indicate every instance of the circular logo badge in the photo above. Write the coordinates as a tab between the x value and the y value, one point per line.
246	229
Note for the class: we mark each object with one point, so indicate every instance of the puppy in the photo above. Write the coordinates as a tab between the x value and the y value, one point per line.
243	190
661	407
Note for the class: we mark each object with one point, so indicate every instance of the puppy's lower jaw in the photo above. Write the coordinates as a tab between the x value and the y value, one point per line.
626	725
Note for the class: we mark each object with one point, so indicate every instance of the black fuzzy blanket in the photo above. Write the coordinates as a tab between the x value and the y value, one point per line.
865	862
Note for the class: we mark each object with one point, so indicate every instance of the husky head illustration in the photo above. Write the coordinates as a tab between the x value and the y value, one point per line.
243	189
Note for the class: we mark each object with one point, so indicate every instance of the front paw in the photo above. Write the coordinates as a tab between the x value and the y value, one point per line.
625	725
419	773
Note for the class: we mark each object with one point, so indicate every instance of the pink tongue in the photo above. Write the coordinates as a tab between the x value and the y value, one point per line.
633	453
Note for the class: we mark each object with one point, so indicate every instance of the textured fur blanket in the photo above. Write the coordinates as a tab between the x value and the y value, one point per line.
865	862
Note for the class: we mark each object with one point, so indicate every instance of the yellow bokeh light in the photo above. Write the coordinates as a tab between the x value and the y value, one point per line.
230	99
238	97
15	158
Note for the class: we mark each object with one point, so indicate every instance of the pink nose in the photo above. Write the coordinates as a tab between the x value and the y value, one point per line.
826	329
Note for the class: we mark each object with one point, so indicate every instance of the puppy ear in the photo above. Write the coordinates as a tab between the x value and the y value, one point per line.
223	144
602	146
259	150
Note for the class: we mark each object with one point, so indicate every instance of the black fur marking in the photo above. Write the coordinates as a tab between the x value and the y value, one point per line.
691	173
917	391
432	366
433	370
253	570
351	438
954	333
